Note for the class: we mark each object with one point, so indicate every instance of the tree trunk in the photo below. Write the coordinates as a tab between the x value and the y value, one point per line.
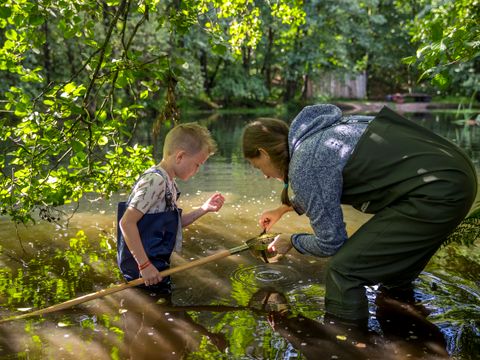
291	84
267	64
307	91
213	76
246	56
71	58
290	90
208	79
203	59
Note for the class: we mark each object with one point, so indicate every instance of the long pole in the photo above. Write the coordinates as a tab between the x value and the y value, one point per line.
119	287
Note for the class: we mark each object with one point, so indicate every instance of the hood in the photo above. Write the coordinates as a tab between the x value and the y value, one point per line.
311	120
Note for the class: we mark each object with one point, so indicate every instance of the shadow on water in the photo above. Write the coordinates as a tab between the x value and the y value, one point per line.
235	308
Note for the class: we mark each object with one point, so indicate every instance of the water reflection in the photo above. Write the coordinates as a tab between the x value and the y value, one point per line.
405	333
459	129
236	308
281	275
136	325
153	328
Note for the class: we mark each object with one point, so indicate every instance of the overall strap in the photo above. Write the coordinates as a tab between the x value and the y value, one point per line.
355	119
351	119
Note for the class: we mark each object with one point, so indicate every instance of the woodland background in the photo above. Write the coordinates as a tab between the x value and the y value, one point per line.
77	77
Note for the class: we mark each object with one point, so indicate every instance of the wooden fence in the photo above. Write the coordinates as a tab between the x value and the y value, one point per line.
348	86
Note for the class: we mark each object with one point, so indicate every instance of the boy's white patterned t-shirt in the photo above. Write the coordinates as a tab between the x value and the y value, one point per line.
148	196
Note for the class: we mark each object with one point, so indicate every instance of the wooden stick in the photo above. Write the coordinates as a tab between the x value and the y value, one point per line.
119	287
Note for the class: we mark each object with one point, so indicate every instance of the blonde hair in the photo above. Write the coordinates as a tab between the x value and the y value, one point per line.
190	137
272	136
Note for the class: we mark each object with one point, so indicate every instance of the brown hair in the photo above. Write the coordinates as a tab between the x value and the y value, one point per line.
272	136
190	137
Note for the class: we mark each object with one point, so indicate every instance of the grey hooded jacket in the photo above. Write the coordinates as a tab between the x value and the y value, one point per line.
321	141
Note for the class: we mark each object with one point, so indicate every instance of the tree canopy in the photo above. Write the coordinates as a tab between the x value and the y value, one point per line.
78	77
447	34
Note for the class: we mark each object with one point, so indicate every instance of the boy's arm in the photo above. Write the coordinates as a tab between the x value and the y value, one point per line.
213	204
129	228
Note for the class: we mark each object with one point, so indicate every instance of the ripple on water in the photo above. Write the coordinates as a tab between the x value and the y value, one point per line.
271	274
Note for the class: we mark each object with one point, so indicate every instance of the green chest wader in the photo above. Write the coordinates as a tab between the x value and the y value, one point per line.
419	186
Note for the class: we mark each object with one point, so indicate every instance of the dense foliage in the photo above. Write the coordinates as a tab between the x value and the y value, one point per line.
79	77
447	34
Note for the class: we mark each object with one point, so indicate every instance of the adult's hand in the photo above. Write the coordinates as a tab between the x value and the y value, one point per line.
269	217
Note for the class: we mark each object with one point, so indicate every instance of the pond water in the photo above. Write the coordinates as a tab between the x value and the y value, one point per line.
234	308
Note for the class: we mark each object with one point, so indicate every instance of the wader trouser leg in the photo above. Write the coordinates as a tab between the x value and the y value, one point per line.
395	245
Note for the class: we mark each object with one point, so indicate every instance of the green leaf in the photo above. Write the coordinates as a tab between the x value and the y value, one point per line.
5	12
409	60
9	44
144	94
436	31
102	116
122	80
219	49
441	80
11	34
69	88
36	20
78	146
103	140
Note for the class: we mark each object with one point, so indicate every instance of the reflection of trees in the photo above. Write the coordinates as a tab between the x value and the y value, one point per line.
462	132
246	329
228	136
262	323
468	137
54	276
227	130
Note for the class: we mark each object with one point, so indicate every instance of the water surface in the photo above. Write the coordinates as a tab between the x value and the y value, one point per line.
234	308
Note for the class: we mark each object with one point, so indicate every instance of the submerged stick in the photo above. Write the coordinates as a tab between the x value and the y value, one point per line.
115	288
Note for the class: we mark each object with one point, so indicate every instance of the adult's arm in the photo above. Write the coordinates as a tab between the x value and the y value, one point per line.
320	196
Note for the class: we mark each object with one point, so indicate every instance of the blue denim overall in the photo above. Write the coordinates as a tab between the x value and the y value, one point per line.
158	232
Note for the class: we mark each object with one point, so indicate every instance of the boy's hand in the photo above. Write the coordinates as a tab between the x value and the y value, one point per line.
214	203
150	275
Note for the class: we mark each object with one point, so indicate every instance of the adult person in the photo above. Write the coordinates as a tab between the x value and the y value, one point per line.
418	185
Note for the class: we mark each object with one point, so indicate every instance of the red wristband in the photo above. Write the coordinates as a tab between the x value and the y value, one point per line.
144	265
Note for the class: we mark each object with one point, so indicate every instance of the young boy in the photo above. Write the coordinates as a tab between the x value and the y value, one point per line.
150	228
